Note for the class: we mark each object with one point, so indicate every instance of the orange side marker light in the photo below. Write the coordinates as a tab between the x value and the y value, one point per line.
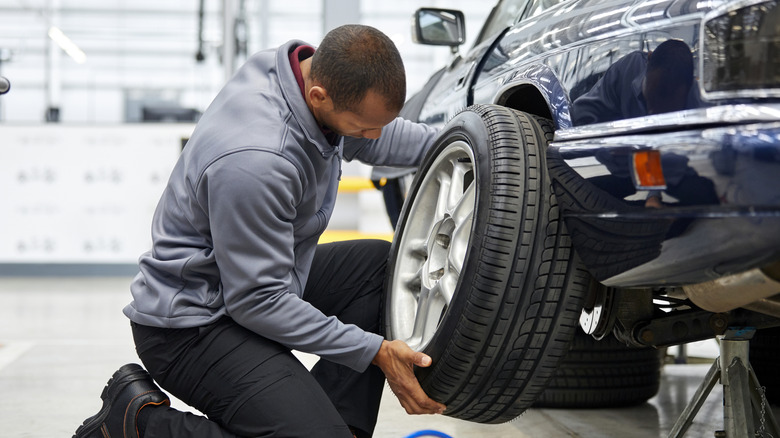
647	170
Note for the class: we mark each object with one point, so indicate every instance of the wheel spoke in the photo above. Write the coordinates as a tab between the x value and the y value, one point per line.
446	286
429	311
445	183
412	283
458	249
464	208
417	248
421	317
458	182
463	215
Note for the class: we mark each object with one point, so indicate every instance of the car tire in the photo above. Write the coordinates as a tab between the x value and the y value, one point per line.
764	357
482	276
603	374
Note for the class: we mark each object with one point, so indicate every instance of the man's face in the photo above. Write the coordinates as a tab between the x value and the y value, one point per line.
366	121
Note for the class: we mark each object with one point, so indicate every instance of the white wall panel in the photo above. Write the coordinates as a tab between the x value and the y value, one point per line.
80	194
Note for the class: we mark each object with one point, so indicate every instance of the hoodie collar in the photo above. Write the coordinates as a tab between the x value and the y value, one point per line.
295	100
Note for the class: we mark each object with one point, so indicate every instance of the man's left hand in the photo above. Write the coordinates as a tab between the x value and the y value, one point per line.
397	361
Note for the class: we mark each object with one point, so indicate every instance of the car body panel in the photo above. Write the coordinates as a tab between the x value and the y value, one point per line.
721	209
720	151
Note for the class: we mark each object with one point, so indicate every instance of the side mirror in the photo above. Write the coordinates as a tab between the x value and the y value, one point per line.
439	27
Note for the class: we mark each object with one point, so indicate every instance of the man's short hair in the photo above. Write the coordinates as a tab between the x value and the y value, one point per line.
353	59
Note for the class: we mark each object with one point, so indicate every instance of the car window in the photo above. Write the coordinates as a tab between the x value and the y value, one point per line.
539	6
503	15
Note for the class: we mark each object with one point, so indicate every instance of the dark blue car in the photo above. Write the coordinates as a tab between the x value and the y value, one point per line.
609	167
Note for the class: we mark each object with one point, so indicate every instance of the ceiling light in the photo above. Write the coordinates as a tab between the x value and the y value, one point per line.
67	45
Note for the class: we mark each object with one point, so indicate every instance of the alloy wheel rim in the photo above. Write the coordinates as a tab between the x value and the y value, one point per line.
433	248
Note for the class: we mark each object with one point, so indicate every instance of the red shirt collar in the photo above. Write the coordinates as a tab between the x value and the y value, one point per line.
296	56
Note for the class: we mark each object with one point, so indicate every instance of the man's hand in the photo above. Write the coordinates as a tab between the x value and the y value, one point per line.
396	360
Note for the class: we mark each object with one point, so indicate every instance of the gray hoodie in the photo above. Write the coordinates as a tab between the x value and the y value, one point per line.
236	228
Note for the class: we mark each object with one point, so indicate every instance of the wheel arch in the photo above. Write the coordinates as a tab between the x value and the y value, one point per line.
537	91
526	98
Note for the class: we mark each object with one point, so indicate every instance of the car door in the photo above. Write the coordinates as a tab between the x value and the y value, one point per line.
453	92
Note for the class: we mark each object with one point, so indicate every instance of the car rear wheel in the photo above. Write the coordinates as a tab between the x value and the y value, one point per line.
603	374
482	276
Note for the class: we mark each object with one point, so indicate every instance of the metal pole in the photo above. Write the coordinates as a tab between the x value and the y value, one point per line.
265	34
53	66
743	397
1	72
229	8
686	418
737	410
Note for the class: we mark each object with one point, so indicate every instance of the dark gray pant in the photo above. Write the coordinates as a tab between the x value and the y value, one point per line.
251	386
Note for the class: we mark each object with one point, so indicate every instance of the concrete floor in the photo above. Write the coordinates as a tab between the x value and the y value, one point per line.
62	338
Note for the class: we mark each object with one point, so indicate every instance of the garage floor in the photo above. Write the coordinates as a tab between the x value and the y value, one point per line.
62	338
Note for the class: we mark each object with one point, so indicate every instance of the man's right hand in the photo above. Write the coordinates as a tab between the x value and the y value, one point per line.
397	361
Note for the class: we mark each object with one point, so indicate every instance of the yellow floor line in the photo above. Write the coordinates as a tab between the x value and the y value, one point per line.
354	184
341	235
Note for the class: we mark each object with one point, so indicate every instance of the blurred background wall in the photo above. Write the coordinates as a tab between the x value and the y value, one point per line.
104	94
171	54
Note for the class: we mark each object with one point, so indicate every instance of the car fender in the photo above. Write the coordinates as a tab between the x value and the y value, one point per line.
535	90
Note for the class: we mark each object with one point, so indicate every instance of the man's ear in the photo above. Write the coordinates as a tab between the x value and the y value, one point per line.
318	96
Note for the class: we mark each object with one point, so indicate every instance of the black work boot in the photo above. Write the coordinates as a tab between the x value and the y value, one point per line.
129	389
